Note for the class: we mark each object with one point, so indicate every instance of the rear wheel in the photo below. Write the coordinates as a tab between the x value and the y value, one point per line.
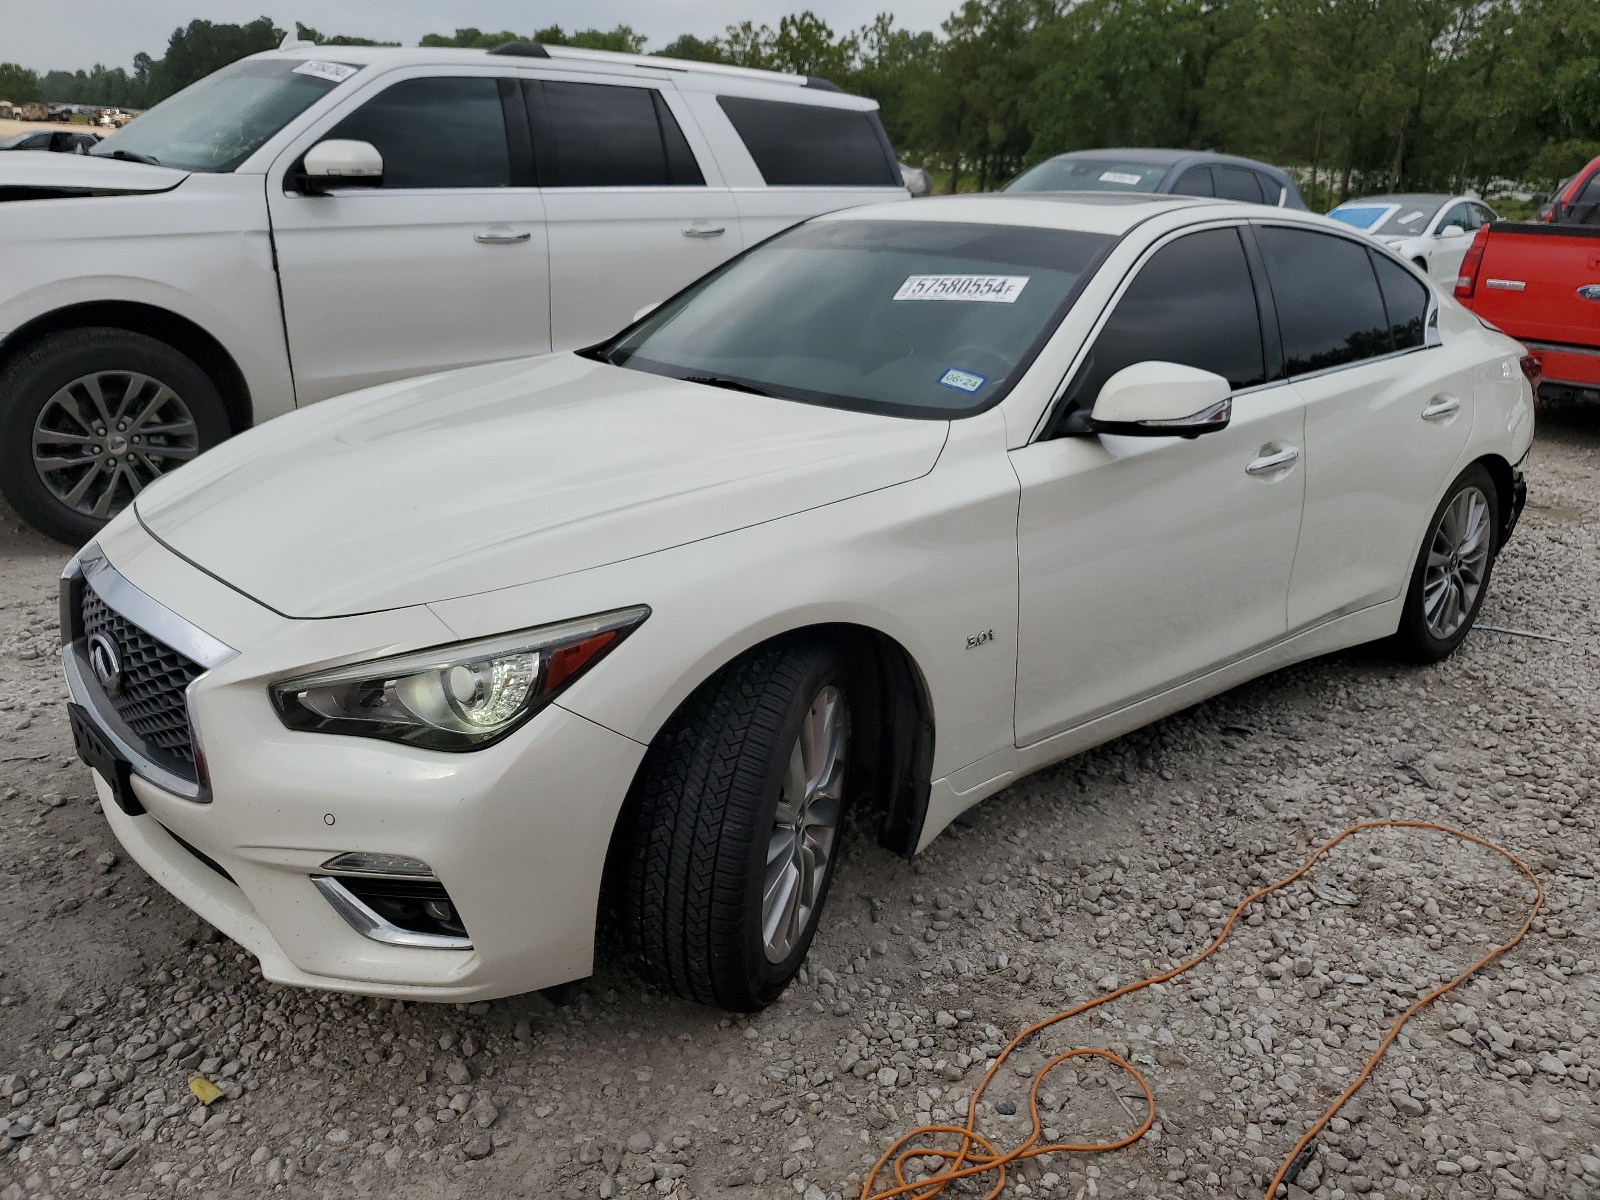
737	823
1451	575
90	417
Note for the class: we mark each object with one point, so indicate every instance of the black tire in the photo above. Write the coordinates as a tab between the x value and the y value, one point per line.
693	858
1415	640
32	377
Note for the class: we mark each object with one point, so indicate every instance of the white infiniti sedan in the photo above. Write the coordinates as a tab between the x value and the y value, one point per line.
401	691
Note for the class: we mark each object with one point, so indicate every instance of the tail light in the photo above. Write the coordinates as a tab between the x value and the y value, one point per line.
1467	281
1533	368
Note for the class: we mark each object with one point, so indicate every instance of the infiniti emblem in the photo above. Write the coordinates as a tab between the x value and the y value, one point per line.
105	662
1589	291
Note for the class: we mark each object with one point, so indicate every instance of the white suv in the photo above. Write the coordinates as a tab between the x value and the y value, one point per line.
313	220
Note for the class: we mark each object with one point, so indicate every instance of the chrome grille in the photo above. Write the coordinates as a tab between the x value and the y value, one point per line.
150	698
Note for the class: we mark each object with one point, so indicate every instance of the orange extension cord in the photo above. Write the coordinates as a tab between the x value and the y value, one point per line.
977	1155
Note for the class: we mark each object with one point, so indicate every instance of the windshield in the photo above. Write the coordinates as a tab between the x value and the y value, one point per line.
909	318
218	122
1407	217
1361	216
1071	174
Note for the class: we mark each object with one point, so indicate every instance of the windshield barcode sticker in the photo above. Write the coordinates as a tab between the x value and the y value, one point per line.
331	71
985	289
1126	178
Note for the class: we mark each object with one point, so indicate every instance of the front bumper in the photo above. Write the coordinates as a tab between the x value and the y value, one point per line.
517	833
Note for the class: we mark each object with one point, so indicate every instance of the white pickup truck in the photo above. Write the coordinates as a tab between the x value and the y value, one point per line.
315	219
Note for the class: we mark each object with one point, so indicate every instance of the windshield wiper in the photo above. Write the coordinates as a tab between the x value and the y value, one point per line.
130	156
722	381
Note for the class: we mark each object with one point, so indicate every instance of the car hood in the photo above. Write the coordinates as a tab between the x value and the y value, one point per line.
40	171
507	474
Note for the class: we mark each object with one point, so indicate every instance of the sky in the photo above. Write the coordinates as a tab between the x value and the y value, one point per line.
113	31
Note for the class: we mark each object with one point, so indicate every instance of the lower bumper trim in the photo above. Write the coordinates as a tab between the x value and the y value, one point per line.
370	924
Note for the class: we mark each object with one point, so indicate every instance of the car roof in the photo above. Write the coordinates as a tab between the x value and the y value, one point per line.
1113	213
1159	156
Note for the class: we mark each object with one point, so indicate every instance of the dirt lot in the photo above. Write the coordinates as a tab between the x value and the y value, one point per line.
1098	871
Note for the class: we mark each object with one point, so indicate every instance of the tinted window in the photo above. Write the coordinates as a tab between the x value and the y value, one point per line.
1404	298
1329	309
435	133
1271	189
1192	303
1235	183
1196	181
601	135
801	145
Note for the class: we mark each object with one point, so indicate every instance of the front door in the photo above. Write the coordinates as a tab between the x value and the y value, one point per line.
1387	416
1446	252
633	214
1145	562
443	266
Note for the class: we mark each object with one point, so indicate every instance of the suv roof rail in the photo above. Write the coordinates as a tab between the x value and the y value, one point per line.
659	63
521	49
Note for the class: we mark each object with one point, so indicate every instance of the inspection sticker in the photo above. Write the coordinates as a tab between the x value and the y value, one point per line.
1126	178
331	71
985	289
962	381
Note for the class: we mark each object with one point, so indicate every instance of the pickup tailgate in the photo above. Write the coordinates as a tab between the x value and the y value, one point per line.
1541	285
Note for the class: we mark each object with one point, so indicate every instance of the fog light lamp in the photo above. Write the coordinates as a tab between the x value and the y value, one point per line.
365	862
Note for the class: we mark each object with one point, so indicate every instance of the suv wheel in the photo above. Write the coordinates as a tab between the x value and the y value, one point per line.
737	824
89	417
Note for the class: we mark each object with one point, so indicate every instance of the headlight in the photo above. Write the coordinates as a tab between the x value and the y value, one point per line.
457	697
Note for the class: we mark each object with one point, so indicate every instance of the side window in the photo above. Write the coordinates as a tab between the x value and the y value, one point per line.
807	145
1485	214
1271	190
1329	309
1405	299
1459	214
1235	183
604	135
1192	303
1196	181
445	132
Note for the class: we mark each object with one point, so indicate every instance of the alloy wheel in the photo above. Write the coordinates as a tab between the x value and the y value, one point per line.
101	439
805	829
1458	557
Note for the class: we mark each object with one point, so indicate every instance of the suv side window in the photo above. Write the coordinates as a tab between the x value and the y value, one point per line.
1236	183
1405	299
1330	311
1192	303
808	145
441	132
1196	181
608	135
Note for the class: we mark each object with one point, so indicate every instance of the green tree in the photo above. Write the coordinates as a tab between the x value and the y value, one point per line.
307	34
18	84
696	49
202	47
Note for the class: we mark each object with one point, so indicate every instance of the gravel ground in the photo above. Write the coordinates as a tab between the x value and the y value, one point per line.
1098	871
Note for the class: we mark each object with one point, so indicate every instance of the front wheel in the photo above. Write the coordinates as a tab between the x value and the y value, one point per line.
737	822
1451	575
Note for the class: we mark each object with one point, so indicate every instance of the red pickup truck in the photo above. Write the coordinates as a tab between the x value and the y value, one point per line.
1540	283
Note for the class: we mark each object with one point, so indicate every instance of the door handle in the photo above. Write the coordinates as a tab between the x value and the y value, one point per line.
1271	464
500	237
704	231
1440	407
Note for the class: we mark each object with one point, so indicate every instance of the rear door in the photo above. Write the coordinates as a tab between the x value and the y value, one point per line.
634	213
443	266
1542	283
1387	415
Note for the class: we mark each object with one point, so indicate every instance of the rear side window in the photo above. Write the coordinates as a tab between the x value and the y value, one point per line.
1236	183
1196	181
602	135
807	145
1271	190
1405	299
1192	303
447	132
1329	309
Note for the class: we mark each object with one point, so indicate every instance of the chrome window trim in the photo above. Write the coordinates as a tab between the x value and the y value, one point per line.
370	925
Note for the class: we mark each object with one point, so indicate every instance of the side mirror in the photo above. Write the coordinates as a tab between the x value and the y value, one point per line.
340	163
916	180
1451	231
1161	399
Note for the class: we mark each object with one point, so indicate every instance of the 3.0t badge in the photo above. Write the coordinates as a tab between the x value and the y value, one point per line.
105	662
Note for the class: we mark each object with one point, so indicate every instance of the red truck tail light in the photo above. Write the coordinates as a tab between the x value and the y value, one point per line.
1467	281
1533	367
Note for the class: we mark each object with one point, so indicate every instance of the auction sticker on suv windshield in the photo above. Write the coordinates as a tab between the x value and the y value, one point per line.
331	71
985	289
1126	178
962	381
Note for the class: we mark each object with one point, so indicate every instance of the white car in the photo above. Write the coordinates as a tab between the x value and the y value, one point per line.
892	510
1432	231
313	220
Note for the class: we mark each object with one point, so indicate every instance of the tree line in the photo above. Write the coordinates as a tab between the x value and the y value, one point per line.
1359	94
